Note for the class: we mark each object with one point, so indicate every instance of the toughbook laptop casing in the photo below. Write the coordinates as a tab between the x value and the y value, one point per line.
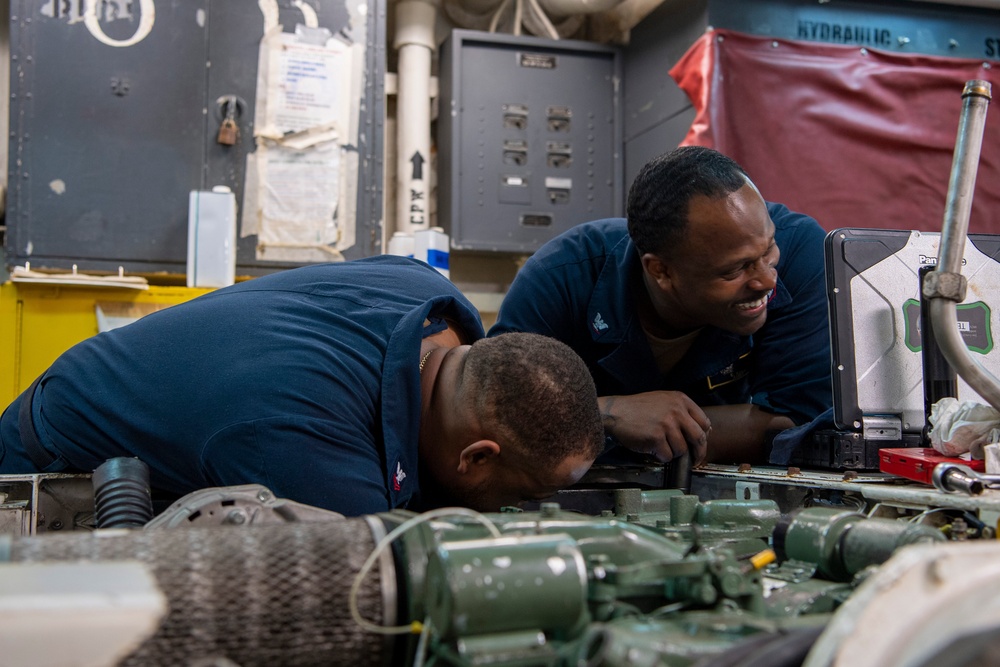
873	289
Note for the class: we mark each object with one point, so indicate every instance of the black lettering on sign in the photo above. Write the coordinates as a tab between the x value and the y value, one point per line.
537	60
843	33
992	47
416	210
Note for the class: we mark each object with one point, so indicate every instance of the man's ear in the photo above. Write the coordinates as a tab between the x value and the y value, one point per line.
657	269
476	455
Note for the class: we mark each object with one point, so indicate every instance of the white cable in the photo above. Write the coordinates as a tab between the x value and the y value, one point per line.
496	16
422	643
547	26
414	626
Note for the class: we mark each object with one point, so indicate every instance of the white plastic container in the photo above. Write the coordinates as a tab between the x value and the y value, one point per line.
401	244
431	245
211	257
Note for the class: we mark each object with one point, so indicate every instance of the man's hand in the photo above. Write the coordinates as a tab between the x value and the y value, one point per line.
666	424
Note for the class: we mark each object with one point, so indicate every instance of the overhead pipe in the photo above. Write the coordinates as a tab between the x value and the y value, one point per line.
946	286
552	19
473	14
415	20
561	8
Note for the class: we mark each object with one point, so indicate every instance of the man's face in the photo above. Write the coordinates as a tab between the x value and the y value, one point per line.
722	273
512	485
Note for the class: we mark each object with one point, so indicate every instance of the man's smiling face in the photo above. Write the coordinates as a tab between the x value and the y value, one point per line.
722	273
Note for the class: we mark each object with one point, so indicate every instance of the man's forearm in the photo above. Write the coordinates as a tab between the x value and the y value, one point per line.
606	404
738	432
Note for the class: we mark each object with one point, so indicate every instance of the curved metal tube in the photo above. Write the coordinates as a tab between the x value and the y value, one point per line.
560	8
976	98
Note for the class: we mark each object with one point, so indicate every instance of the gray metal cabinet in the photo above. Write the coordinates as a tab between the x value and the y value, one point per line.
529	138
115	115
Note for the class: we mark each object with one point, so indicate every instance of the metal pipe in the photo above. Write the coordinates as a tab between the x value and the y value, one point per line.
561	8
946	285
679	473
940	379
415	42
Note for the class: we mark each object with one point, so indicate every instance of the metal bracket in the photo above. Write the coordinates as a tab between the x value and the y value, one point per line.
747	491
882	427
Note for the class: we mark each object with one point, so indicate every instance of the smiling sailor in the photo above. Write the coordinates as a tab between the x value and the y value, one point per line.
702	317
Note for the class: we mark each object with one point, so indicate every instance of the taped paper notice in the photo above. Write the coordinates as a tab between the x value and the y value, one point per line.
299	191
296	188
307	84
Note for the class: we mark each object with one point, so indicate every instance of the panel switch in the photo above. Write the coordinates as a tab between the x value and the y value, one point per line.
515	152
559	118
515	116
558	189
558	154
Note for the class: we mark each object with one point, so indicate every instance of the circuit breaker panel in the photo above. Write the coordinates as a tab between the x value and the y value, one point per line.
529	139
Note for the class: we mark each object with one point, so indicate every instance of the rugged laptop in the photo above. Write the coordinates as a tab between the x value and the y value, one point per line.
873	282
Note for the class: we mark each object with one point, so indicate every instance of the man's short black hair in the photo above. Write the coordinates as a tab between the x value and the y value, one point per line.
659	197
534	393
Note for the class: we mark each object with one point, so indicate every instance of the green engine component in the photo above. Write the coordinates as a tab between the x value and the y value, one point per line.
555	586
674	582
744	526
842	543
501	585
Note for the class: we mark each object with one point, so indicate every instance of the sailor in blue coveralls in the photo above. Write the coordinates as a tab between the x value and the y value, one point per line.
703	318
357	387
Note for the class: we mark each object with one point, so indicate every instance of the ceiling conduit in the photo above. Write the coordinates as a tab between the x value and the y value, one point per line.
552	19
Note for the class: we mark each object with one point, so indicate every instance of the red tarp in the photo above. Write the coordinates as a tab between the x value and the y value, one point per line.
854	137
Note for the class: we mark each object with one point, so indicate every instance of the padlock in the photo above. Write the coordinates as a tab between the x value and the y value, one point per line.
229	132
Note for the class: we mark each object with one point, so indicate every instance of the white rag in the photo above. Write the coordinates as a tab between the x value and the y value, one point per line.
960	427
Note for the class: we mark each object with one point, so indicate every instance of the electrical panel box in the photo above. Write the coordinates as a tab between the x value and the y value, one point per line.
119	110
529	139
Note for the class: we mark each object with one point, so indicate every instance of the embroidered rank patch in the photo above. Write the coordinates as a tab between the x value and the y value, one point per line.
731	373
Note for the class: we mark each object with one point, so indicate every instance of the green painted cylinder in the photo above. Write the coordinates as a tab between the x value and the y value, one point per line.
761	514
535	582
841	543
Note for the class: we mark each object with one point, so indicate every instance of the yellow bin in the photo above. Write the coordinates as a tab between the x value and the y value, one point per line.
38	322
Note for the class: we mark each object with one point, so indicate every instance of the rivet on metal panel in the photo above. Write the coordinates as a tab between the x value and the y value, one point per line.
119	87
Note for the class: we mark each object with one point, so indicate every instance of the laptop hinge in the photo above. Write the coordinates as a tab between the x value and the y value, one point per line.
882	427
